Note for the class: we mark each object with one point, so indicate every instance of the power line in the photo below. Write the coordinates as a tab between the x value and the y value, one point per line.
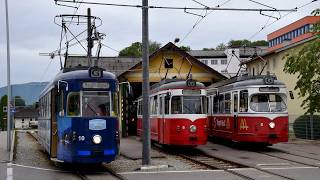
177	7
199	20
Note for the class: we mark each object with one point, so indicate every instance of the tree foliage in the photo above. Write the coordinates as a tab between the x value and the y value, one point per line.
19	101
185	48
306	64
247	43
3	103
135	49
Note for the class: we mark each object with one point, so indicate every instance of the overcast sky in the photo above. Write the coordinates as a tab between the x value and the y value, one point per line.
32	29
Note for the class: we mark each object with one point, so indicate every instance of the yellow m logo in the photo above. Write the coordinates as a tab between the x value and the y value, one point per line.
243	124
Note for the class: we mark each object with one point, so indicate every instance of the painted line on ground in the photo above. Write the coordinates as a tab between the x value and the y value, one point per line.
242	169
302	167
9	172
273	164
39	168
155	172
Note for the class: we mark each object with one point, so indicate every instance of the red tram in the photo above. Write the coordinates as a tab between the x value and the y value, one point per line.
177	113
248	109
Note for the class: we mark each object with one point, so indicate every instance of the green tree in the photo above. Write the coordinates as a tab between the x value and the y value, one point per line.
238	43
221	46
260	43
19	101
3	103
306	63
185	48
135	49
207	49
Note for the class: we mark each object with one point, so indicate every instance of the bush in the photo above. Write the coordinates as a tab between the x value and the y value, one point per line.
301	127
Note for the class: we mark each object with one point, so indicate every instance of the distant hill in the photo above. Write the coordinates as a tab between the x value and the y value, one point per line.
29	91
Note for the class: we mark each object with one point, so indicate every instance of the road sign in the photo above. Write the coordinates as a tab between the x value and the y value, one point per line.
4	108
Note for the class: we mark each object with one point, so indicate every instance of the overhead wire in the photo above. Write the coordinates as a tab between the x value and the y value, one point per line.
267	25
59	46
199	20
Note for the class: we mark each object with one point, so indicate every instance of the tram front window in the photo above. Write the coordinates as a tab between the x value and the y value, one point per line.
95	104
188	105
192	105
268	103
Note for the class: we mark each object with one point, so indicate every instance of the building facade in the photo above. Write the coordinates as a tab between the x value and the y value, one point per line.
25	118
274	61
292	33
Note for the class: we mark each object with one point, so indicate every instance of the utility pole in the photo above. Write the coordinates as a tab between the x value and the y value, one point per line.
8	81
146	160
89	38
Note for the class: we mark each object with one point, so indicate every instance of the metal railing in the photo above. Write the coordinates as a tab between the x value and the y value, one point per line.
304	127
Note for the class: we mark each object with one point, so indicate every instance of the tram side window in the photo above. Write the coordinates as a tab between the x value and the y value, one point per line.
61	108
221	103
227	103
215	104
235	103
73	104
243	101
166	105
139	108
176	107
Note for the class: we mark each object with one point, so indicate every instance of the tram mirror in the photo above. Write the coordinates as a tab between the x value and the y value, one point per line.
60	83
168	95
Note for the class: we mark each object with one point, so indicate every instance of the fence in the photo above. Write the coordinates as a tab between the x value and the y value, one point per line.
304	127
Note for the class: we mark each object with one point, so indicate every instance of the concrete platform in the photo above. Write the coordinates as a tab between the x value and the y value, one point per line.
131	148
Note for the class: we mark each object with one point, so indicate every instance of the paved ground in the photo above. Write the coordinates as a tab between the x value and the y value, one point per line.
292	160
4	155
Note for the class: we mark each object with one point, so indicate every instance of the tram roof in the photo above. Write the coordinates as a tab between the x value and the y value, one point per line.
77	74
173	84
246	81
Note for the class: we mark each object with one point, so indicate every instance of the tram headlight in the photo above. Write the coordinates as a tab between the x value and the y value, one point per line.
272	125
193	128
97	139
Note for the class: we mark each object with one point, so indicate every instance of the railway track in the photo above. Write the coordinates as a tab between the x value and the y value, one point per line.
199	157
289	159
84	170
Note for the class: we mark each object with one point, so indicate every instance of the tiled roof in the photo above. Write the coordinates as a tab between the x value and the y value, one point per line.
116	65
26	112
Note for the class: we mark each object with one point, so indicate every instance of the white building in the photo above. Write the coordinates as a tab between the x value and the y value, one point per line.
25	118
227	61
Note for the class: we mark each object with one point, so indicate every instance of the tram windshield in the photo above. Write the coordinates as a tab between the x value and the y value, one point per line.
188	105
268	103
95	104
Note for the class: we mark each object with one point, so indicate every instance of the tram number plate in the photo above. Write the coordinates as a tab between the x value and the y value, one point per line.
97	153
273	136
193	138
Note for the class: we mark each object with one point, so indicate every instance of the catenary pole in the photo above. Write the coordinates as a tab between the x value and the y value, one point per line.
146	160
8	81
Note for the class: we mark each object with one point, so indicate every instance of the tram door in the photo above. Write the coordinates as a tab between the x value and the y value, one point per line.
54	127
161	120
235	106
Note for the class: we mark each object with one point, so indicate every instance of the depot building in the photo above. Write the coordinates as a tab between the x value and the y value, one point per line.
168	62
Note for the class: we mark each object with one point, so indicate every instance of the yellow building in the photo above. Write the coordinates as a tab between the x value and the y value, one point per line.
166	63
172	62
274	62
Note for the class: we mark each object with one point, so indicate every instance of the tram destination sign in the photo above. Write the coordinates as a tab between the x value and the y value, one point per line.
191	83
95	85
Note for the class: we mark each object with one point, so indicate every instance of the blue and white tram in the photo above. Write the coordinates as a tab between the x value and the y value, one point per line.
78	117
